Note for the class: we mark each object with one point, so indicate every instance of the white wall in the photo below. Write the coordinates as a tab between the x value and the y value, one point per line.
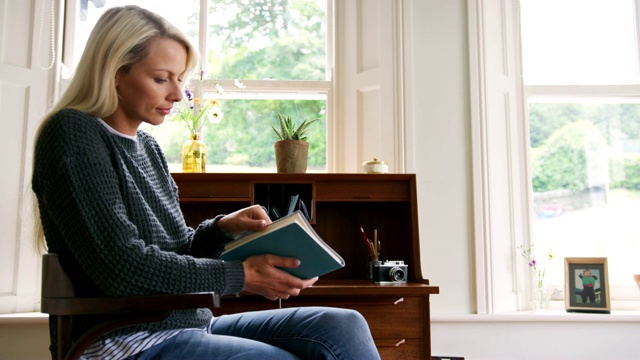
535	337
442	140
24	341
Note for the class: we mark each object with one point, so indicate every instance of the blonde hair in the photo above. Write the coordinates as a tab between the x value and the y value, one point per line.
120	39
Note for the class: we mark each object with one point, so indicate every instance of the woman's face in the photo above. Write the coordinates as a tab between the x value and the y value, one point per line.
147	92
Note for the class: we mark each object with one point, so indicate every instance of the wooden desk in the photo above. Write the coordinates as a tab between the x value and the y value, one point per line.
398	314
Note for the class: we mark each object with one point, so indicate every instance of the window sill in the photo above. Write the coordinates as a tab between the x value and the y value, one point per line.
24	318
523	316
556	316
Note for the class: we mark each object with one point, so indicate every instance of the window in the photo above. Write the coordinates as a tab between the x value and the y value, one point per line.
279	49
353	139
582	91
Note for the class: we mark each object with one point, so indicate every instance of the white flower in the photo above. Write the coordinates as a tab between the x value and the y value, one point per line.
216	115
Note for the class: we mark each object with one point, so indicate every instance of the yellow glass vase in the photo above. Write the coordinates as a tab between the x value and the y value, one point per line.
194	155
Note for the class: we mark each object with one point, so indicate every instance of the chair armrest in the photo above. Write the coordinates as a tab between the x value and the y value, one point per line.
132	304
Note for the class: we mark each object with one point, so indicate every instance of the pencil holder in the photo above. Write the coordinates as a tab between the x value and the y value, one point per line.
373	264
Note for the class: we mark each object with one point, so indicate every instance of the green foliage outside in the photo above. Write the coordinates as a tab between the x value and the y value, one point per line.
561	163
259	39
269	39
245	136
565	135
611	119
629	178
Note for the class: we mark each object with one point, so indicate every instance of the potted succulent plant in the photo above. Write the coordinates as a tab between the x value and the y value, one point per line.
291	146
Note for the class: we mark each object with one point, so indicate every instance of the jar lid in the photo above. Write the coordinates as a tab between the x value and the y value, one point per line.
375	161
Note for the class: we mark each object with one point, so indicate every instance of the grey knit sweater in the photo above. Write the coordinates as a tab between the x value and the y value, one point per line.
109	207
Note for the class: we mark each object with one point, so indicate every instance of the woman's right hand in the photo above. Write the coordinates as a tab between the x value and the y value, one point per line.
263	277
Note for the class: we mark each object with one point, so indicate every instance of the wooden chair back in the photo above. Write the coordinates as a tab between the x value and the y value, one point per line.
59	300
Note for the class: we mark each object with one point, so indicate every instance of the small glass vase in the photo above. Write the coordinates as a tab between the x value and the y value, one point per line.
540	300
194	155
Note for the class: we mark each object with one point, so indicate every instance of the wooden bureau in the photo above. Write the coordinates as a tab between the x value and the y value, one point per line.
339	204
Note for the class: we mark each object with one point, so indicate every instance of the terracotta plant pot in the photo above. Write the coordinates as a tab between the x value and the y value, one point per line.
291	156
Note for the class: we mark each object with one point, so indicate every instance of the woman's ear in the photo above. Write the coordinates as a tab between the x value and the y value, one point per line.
119	73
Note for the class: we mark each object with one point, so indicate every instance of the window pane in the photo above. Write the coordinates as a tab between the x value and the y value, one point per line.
243	140
251	40
184	16
585	167
267	39
579	42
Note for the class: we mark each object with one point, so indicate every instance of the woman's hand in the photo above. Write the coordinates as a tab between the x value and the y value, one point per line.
252	218
262	277
261	272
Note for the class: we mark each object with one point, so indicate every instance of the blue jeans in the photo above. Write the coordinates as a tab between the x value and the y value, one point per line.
291	333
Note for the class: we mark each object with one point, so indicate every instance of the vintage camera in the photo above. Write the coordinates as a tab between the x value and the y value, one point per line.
389	272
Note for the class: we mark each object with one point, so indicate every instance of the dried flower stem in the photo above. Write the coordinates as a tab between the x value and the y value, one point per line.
539	270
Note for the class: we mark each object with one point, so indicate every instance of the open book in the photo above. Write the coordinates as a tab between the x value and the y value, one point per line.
290	236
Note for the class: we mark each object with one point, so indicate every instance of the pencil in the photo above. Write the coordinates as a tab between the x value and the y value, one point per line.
376	245
369	245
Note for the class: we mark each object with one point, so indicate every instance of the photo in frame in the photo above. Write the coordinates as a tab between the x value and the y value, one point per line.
586	285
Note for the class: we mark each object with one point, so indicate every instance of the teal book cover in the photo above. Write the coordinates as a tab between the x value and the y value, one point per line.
290	236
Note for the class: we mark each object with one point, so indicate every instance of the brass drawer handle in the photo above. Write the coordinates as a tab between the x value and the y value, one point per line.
400	342
398	302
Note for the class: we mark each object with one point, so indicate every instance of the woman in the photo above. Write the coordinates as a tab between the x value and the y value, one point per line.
109	207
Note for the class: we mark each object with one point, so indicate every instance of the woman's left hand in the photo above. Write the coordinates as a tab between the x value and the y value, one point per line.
252	218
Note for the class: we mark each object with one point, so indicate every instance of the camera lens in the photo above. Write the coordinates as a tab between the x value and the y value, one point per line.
396	274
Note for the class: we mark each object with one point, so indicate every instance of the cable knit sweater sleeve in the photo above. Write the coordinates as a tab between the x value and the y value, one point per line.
110	208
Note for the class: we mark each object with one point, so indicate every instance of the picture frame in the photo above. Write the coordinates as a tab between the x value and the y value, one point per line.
586	285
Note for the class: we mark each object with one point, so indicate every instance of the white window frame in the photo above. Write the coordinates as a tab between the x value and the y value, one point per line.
501	182
622	296
500	189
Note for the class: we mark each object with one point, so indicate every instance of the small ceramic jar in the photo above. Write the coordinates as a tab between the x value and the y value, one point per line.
375	166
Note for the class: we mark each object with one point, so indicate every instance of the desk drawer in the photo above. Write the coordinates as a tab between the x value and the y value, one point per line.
397	323
362	190
404	349
388	317
393	317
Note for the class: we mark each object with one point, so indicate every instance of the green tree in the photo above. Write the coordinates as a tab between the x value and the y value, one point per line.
269	39
615	121
571	158
544	119
245	136
249	18
260	39
266	39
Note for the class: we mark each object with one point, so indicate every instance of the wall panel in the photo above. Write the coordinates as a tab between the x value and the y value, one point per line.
370	121
369	35
25	48
369	129
15	31
13	105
